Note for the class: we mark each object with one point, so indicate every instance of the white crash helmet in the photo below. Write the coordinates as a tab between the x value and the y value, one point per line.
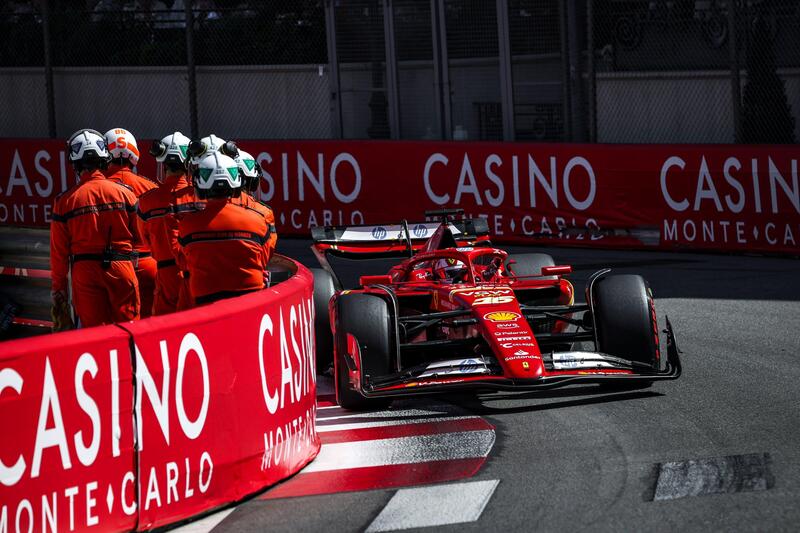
88	147
249	170
122	145
216	175
211	143
170	152
171	149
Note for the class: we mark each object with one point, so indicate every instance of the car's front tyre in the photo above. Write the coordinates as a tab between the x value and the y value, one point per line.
366	317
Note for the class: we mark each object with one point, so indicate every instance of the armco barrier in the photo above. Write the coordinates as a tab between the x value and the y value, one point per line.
697	197
147	423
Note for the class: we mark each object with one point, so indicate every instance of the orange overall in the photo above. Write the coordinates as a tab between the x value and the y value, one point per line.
93	231
227	250
186	201
248	202
159	227
146	268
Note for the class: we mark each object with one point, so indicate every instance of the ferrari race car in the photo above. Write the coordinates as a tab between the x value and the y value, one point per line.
458	313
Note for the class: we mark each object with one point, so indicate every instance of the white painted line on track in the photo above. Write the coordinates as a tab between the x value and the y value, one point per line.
439	505
402	413
386	423
403	450
206	524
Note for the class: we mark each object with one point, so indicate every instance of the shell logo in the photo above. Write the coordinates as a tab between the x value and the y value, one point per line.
502	316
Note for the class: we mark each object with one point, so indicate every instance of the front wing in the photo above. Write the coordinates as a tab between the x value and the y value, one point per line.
606	370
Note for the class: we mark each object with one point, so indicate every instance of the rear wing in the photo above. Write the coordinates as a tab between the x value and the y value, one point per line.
386	234
395	240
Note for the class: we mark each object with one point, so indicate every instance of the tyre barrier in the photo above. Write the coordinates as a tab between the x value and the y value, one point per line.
143	424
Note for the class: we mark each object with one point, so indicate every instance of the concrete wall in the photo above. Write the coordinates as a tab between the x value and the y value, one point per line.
674	107
264	102
293	101
242	102
150	102
23	103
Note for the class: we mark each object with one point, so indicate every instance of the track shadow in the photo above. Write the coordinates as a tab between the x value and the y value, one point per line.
479	405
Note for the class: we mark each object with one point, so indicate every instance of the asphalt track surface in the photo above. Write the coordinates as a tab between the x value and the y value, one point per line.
576	460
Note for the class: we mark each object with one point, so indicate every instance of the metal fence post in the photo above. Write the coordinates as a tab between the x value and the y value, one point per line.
736	87
48	70
591	71
575	73
506	74
190	67
392	94
333	74
441	62
566	92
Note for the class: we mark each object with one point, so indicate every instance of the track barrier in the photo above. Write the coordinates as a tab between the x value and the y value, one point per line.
148	423
731	198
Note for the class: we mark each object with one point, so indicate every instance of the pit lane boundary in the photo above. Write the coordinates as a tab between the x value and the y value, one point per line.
148	423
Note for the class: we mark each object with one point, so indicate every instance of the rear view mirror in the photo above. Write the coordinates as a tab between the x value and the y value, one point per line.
558	270
375	280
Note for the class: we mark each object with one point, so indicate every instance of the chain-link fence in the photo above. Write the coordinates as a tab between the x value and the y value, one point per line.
249	70
697	71
616	71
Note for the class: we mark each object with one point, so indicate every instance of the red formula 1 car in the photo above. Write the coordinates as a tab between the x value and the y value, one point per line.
458	313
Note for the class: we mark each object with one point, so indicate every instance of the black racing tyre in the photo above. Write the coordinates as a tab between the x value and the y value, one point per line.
324	288
367	318
530	264
625	319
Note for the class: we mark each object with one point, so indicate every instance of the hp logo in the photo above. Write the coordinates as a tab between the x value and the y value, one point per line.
420	231
378	233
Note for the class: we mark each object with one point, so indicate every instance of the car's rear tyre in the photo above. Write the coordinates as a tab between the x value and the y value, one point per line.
324	288
367	318
624	315
530	264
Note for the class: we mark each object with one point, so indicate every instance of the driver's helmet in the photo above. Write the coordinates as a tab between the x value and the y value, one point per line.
450	270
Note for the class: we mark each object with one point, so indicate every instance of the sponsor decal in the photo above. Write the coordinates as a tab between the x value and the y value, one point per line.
502	316
507	325
379	233
492	300
509	345
420	231
521	352
525	365
511	336
468	365
481	292
465	248
517	357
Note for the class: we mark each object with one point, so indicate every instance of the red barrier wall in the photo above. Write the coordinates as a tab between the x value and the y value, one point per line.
706	197
220	399
66	407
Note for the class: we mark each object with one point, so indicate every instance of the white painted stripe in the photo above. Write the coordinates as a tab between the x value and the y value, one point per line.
405	413
403	450
386	423
434	506
206	524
